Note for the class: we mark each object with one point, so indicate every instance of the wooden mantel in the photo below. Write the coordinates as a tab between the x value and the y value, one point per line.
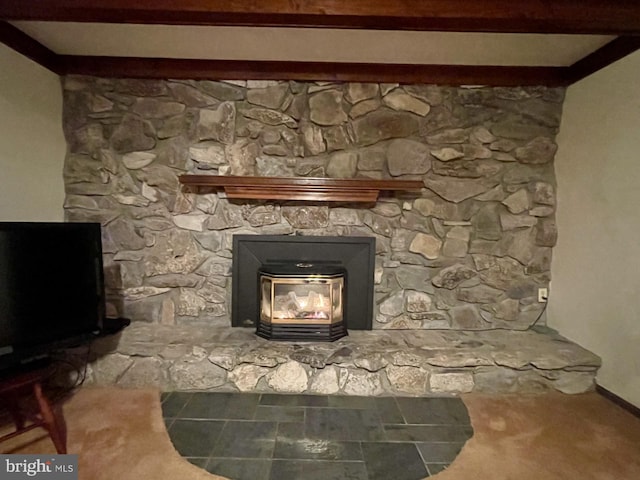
300	188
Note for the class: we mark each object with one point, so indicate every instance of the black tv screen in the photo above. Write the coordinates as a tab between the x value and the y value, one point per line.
51	287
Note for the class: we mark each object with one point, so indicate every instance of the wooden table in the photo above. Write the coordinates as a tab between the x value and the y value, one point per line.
16	388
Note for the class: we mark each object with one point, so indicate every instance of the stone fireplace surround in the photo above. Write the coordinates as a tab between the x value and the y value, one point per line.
465	255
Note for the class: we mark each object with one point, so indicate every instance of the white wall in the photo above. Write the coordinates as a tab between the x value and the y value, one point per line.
32	145
595	289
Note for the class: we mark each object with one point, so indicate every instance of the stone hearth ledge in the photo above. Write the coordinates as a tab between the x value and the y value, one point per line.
371	363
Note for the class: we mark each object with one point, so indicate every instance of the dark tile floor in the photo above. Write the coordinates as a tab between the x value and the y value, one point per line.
246	436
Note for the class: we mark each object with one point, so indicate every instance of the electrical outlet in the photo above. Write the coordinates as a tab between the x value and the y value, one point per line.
543	294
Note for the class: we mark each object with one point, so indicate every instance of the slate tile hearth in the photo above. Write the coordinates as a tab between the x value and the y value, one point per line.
245	436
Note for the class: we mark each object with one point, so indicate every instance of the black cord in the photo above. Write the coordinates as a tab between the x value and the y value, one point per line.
80	371
544	309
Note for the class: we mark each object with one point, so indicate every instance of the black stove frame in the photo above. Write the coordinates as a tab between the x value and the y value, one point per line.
355	254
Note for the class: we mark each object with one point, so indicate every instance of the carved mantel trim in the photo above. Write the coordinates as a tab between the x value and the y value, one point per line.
300	188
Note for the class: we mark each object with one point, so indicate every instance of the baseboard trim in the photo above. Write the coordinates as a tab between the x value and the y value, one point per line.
621	402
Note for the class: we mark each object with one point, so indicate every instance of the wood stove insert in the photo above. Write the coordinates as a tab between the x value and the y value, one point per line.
302	301
356	255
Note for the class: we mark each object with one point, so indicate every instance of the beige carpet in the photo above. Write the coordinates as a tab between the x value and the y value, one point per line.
119	434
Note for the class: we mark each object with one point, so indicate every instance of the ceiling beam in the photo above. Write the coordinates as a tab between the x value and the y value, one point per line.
27	46
312	71
616	17
604	56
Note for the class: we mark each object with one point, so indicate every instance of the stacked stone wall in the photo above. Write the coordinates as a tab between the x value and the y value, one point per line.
467	252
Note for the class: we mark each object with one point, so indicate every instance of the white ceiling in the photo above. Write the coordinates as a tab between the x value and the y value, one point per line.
311	44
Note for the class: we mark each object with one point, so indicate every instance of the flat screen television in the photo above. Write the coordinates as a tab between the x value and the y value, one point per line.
51	288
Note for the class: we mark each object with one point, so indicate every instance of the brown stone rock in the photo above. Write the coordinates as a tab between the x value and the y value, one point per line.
393	305
416	223
468	168
269	97
325	108
218	124
399	100
454	135
487	223
541	211
262	215
226	216
382	125
356	92
174	280
133	134
411	380
501	272
298	106
426	245
408	157
457	190
290	377
537	151
191	96
212	241
451	277
145	371
358	382
387	209
546	233
456	243
137	160
269	166
461	382
512	222
432	94
517	202
312	138
336	138
439	208
518	244
242	156
325	381
379	224
123	235
413	278
307	216
507	309
246	377
141	88
540	263
479	294
503	145
516	129
466	317
174	252
483	135
447	154
519	174
200	375
213	293
542	193
363	108
160	176
207	153
270	117
342	165
221	90
418	302
155	108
